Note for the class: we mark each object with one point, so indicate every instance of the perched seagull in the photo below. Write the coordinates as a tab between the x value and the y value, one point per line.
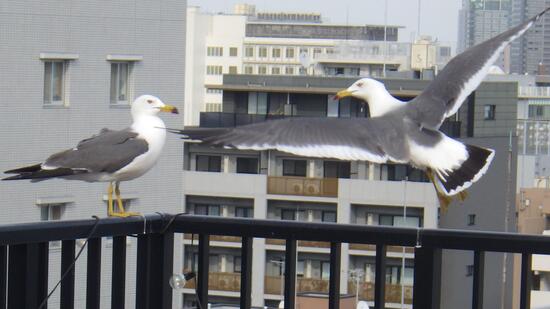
400	132
110	156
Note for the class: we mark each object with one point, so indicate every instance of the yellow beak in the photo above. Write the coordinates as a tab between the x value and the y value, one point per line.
169	109
343	94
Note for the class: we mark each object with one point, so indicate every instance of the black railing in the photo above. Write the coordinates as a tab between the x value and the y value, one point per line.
24	259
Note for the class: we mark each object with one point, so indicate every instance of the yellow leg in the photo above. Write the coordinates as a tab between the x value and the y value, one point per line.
110	211
444	200
121	212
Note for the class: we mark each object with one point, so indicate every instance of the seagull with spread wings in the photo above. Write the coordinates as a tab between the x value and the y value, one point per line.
110	156
398	131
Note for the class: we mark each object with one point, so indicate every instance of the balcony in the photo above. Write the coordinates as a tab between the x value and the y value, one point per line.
24	259
393	292
229	282
287	185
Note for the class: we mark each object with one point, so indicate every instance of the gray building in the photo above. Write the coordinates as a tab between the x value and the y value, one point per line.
68	69
280	186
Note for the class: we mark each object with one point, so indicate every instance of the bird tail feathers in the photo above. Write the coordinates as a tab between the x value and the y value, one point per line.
467	173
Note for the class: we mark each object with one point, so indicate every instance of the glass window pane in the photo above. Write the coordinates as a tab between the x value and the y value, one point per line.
385	220
47	82
237	264
57	76
329	216
252	102
123	82
201	209
408	222
262	103
325	275
202	163
301	168
288	214
214	210
215	164
247	165
214	264
300	268
114	79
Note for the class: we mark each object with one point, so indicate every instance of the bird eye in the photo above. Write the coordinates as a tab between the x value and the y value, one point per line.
360	84
150	101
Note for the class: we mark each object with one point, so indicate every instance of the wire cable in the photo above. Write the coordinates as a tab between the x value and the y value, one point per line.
92	231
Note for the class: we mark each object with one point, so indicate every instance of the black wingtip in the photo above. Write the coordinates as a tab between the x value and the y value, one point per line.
539	15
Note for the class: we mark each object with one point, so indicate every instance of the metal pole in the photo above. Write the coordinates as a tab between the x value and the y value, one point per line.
403	249
385	37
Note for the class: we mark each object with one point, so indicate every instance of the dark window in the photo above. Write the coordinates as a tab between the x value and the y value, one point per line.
209	163
398	172
489	112
469	270
207	210
391	220
329	216
385	220
337	169
471	219
288	214
243	212
237	264
294	168
247	165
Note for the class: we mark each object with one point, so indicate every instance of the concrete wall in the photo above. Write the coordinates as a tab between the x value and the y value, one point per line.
31	132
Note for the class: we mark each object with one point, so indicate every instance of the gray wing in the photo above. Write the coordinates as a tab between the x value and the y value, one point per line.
375	139
460	77
107	151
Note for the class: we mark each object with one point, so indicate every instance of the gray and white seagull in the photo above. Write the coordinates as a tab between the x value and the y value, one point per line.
110	156
400	132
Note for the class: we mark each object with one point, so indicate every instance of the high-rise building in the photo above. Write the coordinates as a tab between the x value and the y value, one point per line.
480	20
290	44
68	69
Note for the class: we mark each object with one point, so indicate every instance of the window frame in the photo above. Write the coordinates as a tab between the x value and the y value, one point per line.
233	51
209	163
115	83
257	171
49	101
326	212
290	52
246	210
489	112
294	172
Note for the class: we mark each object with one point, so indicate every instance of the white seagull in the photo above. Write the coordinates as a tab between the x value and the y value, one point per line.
401	132
110	156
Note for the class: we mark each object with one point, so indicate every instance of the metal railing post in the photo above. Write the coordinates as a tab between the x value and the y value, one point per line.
290	274
427	276
334	283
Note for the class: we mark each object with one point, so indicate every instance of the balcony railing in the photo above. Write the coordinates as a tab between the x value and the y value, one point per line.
24	258
289	185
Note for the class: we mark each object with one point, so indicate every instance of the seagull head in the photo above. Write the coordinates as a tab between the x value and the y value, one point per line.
150	105
361	89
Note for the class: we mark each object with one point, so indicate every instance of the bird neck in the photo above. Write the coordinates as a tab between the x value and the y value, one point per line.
148	122
382	102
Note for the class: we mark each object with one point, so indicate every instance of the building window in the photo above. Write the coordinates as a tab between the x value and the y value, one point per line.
300	267
249	51
213	70
289	52
276	53
289	71
469	270
262	52
262	69
232	70
325	270
207	163
471	219
233	51
51	212
120	77
303	71
294	168
237	264
317	52
336	169
54	82
304	51
214	51
214	91
243	212
391	220
399	172
207	210
247	165
275	70
329	216
257	103
248	69
489	112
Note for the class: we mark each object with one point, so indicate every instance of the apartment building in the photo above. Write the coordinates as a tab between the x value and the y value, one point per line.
291	44
68	69
279	186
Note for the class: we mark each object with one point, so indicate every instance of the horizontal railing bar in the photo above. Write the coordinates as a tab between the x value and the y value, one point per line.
72	229
355	233
244	227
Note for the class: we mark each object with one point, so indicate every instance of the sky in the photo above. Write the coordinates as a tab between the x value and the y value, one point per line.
438	18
